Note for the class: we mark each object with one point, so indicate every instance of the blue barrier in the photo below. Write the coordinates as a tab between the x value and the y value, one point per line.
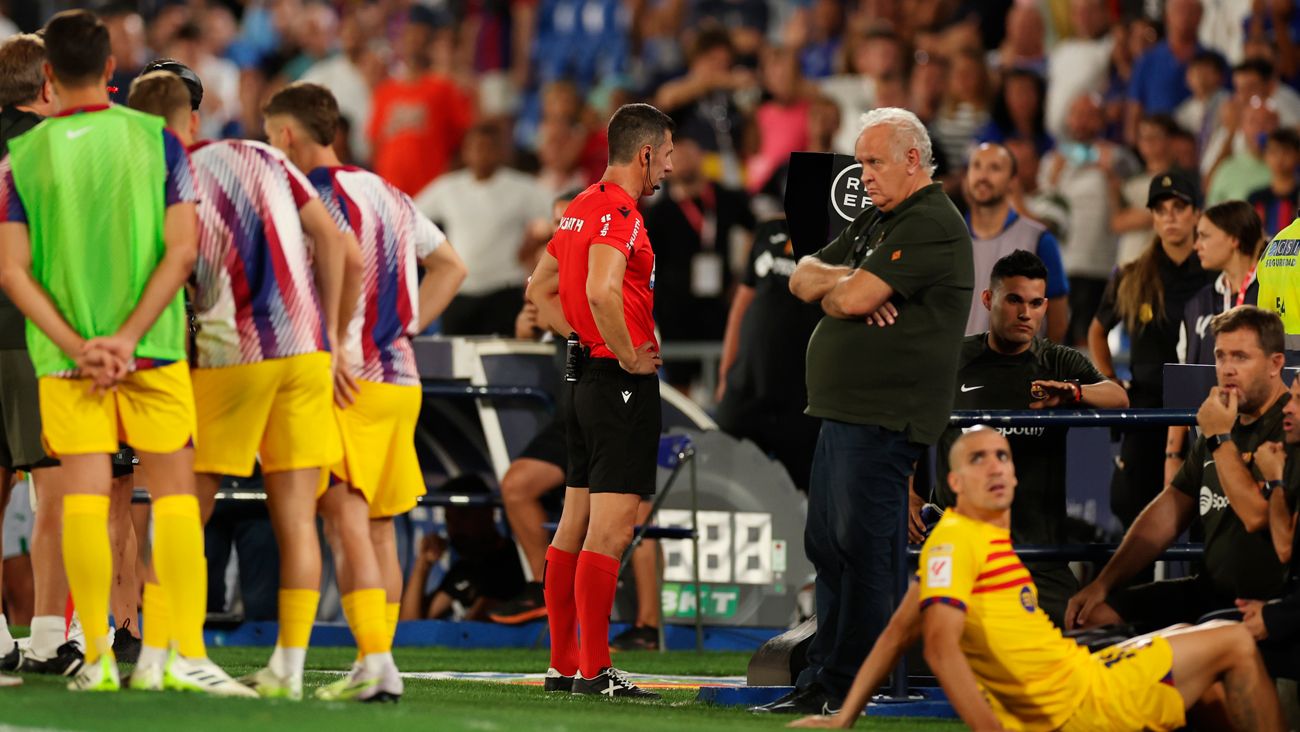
474	635
1072	417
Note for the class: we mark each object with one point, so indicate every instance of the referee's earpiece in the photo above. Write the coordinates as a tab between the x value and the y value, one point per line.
653	186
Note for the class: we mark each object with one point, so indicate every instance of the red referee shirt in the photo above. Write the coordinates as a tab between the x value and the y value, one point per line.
605	214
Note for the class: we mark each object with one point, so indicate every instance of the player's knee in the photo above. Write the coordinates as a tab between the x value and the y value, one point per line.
514	488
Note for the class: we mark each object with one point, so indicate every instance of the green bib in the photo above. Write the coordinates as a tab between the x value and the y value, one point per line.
94	187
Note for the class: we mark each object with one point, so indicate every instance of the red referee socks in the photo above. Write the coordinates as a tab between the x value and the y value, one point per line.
596	581
561	612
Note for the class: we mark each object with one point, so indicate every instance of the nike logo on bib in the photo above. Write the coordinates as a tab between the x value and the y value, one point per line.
965	388
74	134
626	395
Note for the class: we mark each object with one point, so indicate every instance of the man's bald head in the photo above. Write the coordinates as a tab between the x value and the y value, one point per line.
980	433
981	474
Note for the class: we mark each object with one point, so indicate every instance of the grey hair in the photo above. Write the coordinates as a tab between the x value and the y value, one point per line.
909	133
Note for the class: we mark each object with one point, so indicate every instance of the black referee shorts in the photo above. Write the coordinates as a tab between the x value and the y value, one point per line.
614	421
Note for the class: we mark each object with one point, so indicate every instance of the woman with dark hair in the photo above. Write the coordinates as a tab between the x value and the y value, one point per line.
1149	295
1228	239
1018	111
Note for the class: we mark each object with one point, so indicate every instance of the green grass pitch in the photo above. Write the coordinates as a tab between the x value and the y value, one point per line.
43	703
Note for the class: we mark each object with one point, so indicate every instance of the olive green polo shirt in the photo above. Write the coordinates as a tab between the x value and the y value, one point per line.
900	377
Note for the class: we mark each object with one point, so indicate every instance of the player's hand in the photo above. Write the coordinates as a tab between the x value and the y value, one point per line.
647	360
1253	618
1056	393
1218	413
719	392
818	721
106	360
345	385
526	322
1080	608
885	315
1270	458
432	547
915	526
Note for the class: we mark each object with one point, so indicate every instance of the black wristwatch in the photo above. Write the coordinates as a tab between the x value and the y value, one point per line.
1214	442
1269	487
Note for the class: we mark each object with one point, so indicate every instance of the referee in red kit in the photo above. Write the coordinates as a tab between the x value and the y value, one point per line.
596	279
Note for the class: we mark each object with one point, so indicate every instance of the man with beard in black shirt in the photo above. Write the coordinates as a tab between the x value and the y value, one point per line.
1009	367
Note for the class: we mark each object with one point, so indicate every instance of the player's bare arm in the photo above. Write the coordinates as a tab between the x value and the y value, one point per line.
942	627
17	281
444	271
903	631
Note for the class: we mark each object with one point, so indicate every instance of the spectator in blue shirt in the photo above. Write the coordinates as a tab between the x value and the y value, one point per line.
1159	81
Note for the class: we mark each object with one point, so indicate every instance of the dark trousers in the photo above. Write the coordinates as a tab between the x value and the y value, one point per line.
1140	475
856	504
492	313
246	526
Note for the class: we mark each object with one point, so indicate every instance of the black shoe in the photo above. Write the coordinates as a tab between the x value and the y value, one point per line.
810	700
9	661
527	605
67	661
612	683
641	638
556	681
126	647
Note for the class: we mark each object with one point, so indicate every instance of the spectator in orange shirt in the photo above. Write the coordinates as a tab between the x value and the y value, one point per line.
420	116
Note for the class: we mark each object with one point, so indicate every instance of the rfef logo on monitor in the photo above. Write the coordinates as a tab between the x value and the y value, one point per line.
847	196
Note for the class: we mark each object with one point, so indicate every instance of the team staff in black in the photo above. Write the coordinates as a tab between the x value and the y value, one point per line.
1010	367
1276	625
1220	482
882	365
1148	296
598	270
761	374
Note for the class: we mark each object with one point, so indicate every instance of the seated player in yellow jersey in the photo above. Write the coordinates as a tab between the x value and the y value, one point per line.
1002	663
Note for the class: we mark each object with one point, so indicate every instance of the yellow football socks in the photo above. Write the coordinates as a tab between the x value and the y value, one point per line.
297	614
369	625
182	570
392	611
88	561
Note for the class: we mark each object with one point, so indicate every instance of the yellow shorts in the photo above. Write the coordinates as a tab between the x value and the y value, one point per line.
279	411
379	447
152	410
1131	689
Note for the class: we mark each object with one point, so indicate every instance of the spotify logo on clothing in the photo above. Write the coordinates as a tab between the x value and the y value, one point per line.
1209	501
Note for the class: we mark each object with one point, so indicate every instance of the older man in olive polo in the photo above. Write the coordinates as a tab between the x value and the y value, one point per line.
882	366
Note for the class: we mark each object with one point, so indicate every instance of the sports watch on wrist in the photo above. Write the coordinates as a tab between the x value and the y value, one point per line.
1214	442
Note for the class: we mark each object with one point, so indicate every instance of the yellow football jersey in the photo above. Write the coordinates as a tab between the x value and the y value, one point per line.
1037	678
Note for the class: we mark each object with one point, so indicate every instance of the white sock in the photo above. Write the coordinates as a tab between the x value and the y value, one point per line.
150	656
376	662
288	662
47	636
6	640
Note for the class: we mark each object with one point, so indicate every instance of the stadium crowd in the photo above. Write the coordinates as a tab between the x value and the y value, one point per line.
1055	179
